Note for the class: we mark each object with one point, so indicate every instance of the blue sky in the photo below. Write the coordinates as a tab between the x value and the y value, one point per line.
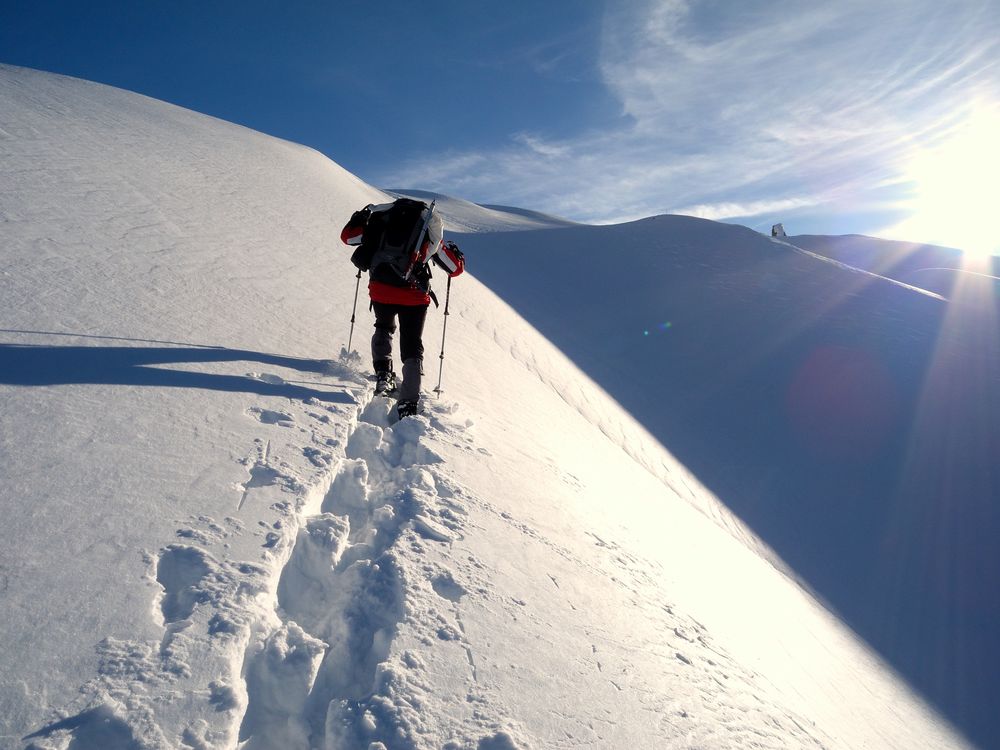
867	116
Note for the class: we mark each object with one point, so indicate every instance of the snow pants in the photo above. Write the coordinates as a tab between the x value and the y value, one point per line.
411	344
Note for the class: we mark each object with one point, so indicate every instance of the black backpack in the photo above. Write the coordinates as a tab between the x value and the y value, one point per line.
389	241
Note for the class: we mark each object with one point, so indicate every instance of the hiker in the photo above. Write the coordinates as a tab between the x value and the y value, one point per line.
396	243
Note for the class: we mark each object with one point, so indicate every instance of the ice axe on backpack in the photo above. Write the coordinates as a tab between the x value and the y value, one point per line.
415	253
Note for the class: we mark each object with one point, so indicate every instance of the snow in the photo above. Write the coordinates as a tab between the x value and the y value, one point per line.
465	216
851	420
215	538
930	267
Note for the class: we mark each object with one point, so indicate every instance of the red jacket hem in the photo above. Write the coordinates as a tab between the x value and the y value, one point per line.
388	294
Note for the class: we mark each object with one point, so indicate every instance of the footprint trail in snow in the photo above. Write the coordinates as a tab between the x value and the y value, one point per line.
323	676
336	507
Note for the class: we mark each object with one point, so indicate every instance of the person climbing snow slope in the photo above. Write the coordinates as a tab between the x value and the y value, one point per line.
396	242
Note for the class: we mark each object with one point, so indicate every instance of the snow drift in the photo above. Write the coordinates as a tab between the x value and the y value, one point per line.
213	538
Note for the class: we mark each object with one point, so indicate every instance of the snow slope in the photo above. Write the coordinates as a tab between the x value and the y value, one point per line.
214	539
928	266
851	420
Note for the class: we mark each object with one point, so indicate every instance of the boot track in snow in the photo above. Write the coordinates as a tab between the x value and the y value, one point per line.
315	679
297	642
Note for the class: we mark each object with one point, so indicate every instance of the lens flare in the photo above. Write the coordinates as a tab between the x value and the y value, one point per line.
658	328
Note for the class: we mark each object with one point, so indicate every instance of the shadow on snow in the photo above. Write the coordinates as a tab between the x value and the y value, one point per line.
45	365
852	423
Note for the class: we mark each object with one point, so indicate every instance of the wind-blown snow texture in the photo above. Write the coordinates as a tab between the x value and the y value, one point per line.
214	538
852	421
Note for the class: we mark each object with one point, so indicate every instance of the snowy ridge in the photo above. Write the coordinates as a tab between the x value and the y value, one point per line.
215	538
788	384
465	216
855	269
931	267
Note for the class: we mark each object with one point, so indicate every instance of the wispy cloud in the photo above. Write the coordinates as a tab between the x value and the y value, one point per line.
541	147
765	108
719	211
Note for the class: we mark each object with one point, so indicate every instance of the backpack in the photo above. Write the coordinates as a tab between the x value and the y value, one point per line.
390	241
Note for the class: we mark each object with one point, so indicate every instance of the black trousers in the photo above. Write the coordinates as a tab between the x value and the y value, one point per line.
411	345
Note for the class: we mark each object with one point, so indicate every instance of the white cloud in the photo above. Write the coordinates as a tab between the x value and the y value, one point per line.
745	110
540	146
719	211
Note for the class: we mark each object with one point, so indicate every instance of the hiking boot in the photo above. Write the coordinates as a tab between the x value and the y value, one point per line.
407	409
385	382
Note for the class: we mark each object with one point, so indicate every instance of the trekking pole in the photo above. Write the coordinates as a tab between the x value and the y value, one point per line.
444	332
354	313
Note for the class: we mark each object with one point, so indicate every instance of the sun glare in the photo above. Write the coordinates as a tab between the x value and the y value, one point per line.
956	186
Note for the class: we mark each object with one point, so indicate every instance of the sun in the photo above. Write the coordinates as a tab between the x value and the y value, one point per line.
956	184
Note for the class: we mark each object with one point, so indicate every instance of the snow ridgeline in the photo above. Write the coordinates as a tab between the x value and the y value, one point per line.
465	216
